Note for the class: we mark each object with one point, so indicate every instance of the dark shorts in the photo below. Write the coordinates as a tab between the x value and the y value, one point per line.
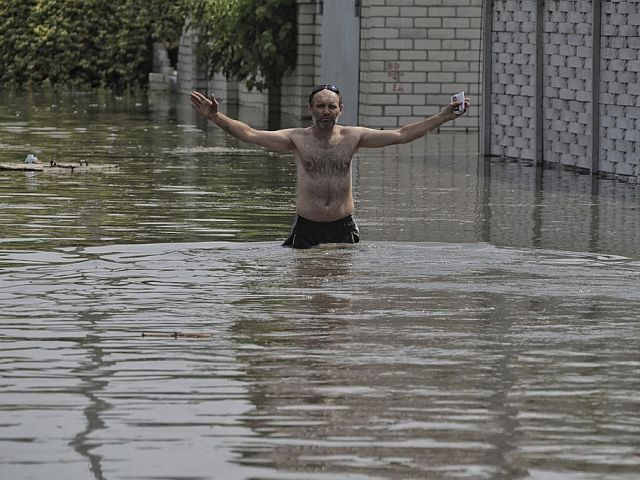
307	233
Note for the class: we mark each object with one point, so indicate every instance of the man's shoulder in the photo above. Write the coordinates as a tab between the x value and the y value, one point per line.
298	131
340	130
349	131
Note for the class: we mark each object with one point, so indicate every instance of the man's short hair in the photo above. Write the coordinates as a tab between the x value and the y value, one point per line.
319	88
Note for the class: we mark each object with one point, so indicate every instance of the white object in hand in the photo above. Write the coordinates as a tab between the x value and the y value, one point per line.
458	97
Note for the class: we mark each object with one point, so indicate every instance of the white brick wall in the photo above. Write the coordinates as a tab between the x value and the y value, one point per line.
413	55
190	76
299	83
295	87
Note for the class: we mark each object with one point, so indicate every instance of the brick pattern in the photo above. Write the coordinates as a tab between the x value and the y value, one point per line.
302	79
224	89
513	94
298	83
414	55
190	74
620	88
567	91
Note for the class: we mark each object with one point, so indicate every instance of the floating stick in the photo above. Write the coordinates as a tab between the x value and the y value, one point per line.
176	335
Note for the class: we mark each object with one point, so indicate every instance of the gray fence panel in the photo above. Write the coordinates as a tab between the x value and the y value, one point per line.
564	83
513	79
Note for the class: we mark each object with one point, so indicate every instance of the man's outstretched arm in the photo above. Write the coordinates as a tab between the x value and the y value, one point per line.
371	138
278	140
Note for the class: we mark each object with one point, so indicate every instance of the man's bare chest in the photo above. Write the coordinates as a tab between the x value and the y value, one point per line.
325	158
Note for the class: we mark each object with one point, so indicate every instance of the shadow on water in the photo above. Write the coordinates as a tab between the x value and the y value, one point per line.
485	328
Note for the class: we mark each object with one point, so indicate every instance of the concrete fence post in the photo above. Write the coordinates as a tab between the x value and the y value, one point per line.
539	100
487	74
596	33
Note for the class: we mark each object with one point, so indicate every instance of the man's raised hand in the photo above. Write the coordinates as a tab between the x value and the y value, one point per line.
207	107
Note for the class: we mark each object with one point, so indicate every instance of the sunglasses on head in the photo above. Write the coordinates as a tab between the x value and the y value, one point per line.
319	88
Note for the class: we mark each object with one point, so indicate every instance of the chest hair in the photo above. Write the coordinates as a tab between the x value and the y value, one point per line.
326	159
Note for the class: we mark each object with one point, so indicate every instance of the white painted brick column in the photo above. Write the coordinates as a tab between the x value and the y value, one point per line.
302	79
190	75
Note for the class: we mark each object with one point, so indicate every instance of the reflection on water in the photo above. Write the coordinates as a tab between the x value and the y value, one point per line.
185	182
486	328
392	360
175	183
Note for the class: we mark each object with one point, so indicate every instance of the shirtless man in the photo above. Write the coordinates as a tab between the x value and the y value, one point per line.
323	154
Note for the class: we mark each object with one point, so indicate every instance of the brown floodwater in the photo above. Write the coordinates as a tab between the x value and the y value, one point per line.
153	327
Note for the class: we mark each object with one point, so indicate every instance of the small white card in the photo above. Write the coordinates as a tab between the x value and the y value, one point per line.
458	97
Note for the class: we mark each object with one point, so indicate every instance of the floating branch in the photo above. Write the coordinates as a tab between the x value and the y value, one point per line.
82	166
176	335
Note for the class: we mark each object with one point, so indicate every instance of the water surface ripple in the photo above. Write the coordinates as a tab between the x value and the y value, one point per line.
389	360
153	327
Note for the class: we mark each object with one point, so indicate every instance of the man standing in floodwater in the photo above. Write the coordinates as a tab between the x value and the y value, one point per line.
323	154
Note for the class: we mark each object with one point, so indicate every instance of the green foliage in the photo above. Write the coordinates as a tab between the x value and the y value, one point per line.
15	39
251	40
108	43
84	43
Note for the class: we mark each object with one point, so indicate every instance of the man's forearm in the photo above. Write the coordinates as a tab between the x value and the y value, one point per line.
413	131
233	127
277	141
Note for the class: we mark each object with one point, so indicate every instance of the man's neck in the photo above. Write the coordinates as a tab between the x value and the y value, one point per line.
323	133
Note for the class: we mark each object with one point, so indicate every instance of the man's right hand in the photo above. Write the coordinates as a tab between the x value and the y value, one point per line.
207	107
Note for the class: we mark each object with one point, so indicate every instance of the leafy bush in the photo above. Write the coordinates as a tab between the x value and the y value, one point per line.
108	43
84	43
